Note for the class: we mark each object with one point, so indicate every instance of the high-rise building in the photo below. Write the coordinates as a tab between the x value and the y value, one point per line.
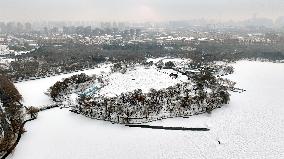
20	27
10	27
2	27
28	27
105	25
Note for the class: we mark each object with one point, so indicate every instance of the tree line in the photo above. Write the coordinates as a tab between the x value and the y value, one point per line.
53	59
11	114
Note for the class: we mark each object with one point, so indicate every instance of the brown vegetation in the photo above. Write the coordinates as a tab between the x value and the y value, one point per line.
11	115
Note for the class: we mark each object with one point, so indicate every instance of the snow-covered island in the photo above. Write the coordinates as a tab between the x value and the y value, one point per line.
140	93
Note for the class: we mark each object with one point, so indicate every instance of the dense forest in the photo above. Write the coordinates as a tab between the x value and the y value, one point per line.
48	60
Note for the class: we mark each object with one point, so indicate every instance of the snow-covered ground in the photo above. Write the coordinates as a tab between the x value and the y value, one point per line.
176	61
33	91
251	126
6	60
140	78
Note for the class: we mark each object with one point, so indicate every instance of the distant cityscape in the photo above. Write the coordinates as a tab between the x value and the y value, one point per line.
22	37
14	26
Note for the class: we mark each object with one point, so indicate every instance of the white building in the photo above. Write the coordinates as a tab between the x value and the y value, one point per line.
4	50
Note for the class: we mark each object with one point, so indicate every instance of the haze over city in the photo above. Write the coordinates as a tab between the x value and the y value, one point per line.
138	10
141	79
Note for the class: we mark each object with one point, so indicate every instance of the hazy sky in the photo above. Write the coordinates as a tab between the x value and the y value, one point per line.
137	10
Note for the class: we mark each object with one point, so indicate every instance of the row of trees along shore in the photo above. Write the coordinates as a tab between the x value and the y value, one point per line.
11	114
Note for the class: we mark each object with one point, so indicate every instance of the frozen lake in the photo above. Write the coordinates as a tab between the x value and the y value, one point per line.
33	91
251	126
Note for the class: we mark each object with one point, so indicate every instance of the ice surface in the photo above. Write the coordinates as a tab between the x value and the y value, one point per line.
251	126
33	91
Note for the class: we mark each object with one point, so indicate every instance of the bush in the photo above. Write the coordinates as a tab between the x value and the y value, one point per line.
169	65
60	87
32	111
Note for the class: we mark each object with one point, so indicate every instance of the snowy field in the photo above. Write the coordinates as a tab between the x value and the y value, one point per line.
5	62
176	61
140	78
251	126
